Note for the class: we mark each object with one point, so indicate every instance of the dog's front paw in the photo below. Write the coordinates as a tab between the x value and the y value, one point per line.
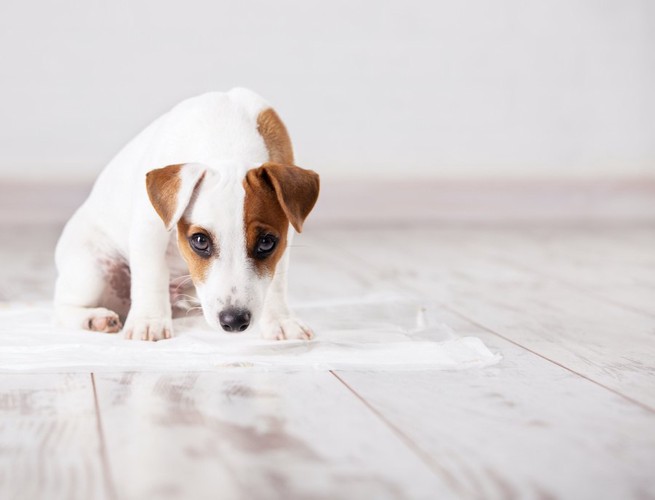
148	329
286	329
103	320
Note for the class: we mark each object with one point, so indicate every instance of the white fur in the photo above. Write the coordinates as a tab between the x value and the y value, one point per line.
214	135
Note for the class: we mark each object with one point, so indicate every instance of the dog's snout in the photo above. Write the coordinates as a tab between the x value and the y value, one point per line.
234	320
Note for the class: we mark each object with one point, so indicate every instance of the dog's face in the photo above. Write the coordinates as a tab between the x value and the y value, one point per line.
232	230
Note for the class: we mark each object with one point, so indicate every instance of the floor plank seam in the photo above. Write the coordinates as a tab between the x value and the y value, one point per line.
513	342
422	455
109	480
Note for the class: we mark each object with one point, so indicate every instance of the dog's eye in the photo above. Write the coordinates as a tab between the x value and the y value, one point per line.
265	246
200	244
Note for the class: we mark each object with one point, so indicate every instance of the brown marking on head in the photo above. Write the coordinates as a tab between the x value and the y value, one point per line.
163	184
296	190
171	192
276	195
276	137
198	266
263	215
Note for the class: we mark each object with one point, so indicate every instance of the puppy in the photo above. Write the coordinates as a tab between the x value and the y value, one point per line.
214	177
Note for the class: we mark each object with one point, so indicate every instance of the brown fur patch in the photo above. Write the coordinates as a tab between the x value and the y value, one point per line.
276	137
296	190
163	185
198	266
263	215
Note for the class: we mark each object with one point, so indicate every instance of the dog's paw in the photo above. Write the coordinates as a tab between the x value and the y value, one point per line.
286	329
103	320
148	329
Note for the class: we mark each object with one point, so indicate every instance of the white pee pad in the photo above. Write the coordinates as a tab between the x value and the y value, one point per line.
375	333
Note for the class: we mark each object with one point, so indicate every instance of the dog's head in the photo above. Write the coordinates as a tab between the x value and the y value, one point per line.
232	230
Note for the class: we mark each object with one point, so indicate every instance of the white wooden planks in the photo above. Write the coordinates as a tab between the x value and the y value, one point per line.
526	428
253	435
613	265
27	266
50	447
605	342
522	429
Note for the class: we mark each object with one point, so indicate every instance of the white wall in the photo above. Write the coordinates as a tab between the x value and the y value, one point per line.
509	88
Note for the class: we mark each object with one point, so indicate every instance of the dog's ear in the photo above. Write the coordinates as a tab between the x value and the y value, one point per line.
296	189
171	188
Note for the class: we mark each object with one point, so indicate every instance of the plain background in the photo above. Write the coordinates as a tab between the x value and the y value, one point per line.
464	89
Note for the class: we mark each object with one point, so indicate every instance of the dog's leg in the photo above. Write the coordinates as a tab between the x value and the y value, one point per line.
81	282
150	316
277	321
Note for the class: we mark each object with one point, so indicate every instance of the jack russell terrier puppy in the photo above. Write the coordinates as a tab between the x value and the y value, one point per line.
219	169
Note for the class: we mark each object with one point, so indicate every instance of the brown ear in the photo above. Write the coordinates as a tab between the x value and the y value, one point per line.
296	189
171	188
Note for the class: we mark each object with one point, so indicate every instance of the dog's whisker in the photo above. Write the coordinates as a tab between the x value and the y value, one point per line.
188	297
186	304
192	309
181	298
184	281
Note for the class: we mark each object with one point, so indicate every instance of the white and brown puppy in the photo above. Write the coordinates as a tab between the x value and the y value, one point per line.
219	169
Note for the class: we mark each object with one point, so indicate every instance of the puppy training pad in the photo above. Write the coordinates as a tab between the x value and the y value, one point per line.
378	333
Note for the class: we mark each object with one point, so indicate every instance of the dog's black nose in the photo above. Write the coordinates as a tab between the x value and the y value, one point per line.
234	320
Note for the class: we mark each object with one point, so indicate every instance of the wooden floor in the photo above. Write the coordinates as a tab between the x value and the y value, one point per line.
568	413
